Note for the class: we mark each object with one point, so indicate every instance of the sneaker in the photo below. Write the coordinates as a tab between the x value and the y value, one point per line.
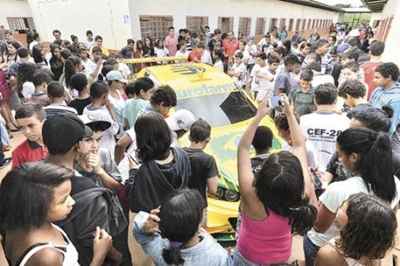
5	162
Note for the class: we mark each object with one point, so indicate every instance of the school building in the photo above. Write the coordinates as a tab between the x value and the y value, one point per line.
121	19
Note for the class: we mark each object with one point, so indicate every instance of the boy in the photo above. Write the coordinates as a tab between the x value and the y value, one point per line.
41	79
262	143
239	71
350	71
353	92
57	106
387	92
376	50
284	82
302	98
79	82
204	168
100	109
139	93
30	118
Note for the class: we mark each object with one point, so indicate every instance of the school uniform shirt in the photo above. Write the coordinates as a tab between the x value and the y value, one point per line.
321	130
284	82
265	86
239	69
28	151
56	109
163	52
333	198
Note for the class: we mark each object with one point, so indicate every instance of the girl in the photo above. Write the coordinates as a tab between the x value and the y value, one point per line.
56	61
33	198
369	230
173	235
72	66
138	53
148	49
273	200
367	154
163	170
39	56
160	50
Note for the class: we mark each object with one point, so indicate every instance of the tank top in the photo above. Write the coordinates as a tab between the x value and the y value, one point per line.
265	242
69	251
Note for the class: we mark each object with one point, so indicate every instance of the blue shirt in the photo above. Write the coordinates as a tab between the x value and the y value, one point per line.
388	97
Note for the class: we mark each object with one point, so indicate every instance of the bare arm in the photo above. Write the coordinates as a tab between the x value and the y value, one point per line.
122	144
324	220
245	172
299	149
212	185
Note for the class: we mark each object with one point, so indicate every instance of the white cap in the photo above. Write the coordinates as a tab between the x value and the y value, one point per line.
115	75
180	120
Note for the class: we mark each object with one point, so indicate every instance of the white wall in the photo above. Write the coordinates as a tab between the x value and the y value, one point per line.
108	18
391	54
179	9
13	8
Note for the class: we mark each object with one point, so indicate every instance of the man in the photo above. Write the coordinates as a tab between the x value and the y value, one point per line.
57	106
324	125
90	210
57	35
387	92
284	82
89	39
376	50
127	51
99	44
353	93
30	118
171	42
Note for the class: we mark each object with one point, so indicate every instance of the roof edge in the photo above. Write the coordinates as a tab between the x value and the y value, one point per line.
314	4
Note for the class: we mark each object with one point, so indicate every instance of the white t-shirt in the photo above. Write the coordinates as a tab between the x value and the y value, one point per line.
206	57
219	65
250	51
239	69
333	198
319	79
255	84
321	130
163	52
265	86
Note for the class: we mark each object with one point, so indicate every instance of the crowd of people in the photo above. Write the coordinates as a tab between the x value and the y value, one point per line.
99	145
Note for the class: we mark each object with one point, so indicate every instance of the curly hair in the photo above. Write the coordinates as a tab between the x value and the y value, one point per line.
371	228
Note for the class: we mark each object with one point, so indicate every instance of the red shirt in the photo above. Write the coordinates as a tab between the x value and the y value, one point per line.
230	47
369	73
28	151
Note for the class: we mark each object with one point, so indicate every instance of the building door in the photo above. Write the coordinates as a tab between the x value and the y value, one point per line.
225	24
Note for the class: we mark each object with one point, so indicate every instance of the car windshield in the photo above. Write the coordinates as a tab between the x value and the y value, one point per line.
220	109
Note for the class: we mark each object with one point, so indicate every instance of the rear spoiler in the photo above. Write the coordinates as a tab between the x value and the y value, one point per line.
167	59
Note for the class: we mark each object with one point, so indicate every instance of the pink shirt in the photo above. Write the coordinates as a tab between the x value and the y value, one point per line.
265	242
171	44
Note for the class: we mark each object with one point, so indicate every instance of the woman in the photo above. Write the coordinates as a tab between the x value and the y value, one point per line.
273	200
33	198
139	53
369	231
148	49
163	170
72	66
11	52
172	235
368	156
39	56
5	95
56	61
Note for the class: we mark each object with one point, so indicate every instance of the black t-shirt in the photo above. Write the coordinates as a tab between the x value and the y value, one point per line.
80	104
203	167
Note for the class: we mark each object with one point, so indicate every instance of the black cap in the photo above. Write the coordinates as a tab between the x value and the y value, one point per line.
62	132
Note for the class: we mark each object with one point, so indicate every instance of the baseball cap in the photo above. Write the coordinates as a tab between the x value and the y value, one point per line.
180	120
94	123
115	75
62	132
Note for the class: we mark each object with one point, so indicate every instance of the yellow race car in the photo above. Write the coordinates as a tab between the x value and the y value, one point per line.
213	96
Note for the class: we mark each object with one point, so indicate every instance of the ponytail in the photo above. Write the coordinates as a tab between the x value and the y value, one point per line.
172	255
377	170
302	218
375	163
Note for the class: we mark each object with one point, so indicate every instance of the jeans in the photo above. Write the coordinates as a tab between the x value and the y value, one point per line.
239	260
310	251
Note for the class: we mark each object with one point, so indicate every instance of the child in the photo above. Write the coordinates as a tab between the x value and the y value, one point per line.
34	197
303	97
238	71
361	247
353	92
30	118
204	176
262	143
181	241
100	109
57	106
139	93
79	82
265	76
41	79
